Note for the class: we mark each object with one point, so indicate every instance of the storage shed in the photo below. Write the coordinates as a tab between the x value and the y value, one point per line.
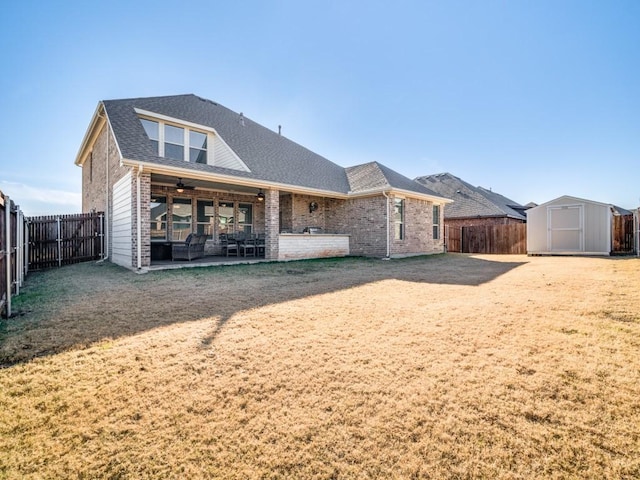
571	226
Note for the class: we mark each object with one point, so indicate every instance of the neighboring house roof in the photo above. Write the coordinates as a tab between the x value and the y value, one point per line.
470	201
269	157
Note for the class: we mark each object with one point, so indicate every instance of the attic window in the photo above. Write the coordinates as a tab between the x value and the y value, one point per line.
175	142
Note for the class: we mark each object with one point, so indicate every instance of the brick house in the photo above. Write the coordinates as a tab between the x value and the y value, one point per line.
473	206
163	167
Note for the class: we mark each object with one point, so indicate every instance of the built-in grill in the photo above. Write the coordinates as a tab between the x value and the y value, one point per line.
312	230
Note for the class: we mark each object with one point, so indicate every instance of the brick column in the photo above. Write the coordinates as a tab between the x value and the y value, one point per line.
272	224
145	212
145	219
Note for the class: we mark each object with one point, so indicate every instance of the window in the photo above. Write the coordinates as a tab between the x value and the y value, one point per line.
225	217
158	218
436	222
152	130
175	142
197	147
245	217
205	218
181	218
398	218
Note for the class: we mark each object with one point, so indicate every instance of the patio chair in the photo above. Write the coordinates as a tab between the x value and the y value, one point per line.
229	245
260	246
190	249
248	246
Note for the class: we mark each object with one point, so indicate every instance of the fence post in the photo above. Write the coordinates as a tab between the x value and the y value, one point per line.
7	255
59	240
102	256
18	249
26	246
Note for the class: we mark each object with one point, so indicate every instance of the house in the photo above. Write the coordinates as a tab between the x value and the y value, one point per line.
163	167
478	220
574	226
473	206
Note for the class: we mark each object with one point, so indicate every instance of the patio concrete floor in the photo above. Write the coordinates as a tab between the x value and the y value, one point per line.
206	261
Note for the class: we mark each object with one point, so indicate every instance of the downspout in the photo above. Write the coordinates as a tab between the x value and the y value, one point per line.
387	218
139	218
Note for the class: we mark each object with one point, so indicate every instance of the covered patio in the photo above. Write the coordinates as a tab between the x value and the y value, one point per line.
277	224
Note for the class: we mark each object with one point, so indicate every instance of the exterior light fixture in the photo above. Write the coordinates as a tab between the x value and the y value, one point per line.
260	196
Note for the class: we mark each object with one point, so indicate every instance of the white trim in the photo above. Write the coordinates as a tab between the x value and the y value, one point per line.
90	136
189	125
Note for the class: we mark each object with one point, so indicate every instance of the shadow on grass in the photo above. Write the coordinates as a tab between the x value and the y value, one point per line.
76	306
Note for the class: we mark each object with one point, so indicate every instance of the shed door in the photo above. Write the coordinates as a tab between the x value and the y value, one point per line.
565	228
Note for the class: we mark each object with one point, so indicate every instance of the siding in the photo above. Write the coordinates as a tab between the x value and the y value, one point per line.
224	157
121	226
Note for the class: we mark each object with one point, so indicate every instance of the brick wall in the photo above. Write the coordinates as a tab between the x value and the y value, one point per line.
363	218
96	194
418	230
300	246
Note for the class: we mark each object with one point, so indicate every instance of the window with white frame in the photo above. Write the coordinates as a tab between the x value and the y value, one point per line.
178	143
181	218
173	142
225	218
436	222
245	218
398	218
205	218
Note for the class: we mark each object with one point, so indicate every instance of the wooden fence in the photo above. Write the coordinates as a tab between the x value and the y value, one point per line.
498	239
623	234
453	238
13	266
65	239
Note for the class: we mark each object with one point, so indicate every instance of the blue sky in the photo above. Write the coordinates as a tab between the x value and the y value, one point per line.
534	99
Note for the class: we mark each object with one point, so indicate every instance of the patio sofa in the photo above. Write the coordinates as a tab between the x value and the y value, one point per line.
190	249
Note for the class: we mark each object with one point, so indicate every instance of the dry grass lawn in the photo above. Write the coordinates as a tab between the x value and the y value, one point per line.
452	366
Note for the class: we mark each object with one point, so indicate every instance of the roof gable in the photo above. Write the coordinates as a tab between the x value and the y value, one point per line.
375	176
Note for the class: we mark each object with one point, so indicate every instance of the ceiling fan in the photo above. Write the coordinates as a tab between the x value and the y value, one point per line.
181	187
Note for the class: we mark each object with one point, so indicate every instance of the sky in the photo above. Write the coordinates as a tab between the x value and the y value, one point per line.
533	99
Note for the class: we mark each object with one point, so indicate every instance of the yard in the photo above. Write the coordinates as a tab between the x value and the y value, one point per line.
451	366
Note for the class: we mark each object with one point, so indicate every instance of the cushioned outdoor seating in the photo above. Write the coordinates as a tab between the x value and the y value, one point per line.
190	249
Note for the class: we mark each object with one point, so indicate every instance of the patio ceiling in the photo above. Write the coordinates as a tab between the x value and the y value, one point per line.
170	181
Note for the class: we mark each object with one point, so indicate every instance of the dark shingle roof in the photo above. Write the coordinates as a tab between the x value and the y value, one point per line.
374	175
470	201
268	155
